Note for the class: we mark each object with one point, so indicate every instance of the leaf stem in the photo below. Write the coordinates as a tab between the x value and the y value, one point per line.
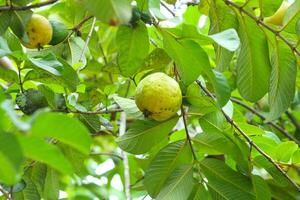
22	8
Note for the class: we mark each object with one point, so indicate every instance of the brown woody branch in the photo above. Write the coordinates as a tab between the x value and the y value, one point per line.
274	125
250	141
260	22
90	112
22	8
293	120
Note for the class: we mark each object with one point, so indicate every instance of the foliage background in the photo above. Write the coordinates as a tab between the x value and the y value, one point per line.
237	134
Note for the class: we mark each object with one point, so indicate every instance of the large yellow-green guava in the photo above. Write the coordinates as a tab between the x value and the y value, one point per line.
39	31
277	17
158	96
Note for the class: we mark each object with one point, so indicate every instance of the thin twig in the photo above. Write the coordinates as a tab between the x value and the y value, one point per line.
293	120
19	8
106	154
122	130
87	43
274	125
251	142
260	22
5	194
90	112
20	79
187	132
168	9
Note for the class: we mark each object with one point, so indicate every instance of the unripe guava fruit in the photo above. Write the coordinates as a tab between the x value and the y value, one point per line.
60	32
277	17
39	31
158	96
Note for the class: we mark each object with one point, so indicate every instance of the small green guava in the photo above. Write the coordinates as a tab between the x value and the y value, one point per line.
158	96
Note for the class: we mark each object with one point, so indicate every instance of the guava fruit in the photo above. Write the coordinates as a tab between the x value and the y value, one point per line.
60	32
39	31
277	17
158	96
30	101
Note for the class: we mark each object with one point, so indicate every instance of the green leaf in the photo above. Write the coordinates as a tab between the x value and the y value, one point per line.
112	12
58	69
30	191
261	188
164	163
75	158
268	8
61	127
8	75
283	80
199	193
133	46
285	150
221	18
51	187
129	107
262	162
11	159
4	21
253	65
38	149
4	48
143	135
179	185
291	13
18	22
228	39
190	58
224	181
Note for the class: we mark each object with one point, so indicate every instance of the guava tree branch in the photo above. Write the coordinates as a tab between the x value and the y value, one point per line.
122	130
293	120
187	132
249	140
260	22
107	154
20	8
5	194
90	112
274	125
87	42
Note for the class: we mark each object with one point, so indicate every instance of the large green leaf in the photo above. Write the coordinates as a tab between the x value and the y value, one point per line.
215	140
133	45
59	69
283	79
190	58
179	185
262	162
261	188
11	159
129	106
18	22
143	135
164	163
224	181
112	12
253	65
63	128
221	18
30	192
51	187
38	149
